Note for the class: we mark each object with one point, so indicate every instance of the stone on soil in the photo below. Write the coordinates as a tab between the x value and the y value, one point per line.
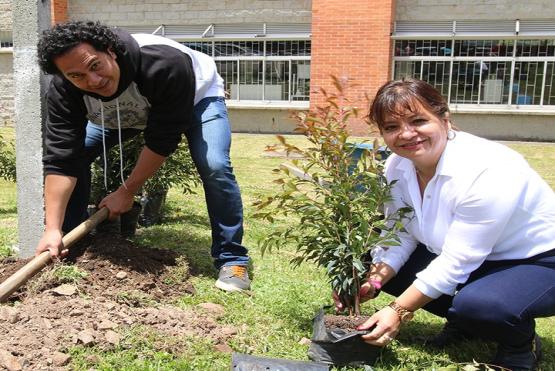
107	325
65	290
305	341
121	275
86	337
9	314
60	359
8	361
113	337
46	323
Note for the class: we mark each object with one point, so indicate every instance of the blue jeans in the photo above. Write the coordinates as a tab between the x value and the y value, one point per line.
209	139
499	301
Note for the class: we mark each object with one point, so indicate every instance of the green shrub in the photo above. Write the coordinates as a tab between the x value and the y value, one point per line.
338	199
7	159
177	171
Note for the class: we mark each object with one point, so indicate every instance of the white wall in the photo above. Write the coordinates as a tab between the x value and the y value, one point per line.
5	15
6	68
171	12
438	10
6	89
261	120
508	127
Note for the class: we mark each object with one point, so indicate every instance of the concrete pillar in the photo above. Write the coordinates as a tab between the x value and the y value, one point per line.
30	17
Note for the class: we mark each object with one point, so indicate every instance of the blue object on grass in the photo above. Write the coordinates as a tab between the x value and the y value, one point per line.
383	151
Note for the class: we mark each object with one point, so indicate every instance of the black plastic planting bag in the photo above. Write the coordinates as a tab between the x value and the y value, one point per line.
153	208
244	362
339	347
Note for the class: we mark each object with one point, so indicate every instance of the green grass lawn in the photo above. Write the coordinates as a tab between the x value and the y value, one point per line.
278	315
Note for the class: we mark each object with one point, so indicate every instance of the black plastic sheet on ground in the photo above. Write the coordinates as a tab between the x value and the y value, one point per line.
244	362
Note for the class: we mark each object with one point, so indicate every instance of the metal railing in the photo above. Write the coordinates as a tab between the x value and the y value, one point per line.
506	73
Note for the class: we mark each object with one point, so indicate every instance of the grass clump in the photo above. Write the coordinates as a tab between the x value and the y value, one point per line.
55	275
68	274
135	298
5	251
177	273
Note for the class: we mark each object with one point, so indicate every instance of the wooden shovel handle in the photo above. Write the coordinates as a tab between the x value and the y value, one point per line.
17	279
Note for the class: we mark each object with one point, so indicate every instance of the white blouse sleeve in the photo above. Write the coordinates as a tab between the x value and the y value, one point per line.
481	215
395	256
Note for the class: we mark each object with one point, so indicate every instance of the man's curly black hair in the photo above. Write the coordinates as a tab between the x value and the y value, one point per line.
65	36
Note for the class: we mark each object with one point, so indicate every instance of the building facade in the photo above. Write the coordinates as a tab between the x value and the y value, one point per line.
494	60
6	64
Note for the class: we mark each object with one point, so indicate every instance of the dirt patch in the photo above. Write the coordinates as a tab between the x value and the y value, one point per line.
94	298
344	322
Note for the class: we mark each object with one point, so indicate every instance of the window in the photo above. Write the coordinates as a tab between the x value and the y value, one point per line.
261	63
268	70
6	39
510	72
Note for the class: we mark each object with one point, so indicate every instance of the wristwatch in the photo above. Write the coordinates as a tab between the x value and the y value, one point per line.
404	314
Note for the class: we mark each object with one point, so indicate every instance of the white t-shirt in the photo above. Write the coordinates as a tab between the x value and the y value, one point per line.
483	203
207	80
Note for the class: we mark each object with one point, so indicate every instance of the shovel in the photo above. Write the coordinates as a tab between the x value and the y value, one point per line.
19	278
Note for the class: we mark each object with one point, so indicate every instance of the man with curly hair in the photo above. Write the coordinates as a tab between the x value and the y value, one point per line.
108	86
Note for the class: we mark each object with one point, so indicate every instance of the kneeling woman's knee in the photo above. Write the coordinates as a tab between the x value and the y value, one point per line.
482	307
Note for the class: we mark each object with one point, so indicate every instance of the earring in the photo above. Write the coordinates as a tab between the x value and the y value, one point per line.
451	134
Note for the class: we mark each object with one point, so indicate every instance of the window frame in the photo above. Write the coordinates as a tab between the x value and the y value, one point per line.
509	108
6	37
258	103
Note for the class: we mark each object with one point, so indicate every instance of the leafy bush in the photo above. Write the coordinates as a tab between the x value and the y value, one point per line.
177	171
337	196
7	159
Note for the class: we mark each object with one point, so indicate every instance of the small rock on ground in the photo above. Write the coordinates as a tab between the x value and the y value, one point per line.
60	359
112	337
65	290
9	361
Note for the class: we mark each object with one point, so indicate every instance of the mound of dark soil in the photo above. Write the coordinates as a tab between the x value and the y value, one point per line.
124	286
114	266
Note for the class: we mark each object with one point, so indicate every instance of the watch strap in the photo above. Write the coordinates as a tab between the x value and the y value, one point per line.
404	314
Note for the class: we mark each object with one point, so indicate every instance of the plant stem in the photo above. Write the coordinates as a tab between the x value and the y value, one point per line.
356	296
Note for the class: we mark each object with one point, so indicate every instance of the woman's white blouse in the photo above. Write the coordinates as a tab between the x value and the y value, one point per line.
483	203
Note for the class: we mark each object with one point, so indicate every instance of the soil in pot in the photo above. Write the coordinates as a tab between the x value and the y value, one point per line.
336	341
348	323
